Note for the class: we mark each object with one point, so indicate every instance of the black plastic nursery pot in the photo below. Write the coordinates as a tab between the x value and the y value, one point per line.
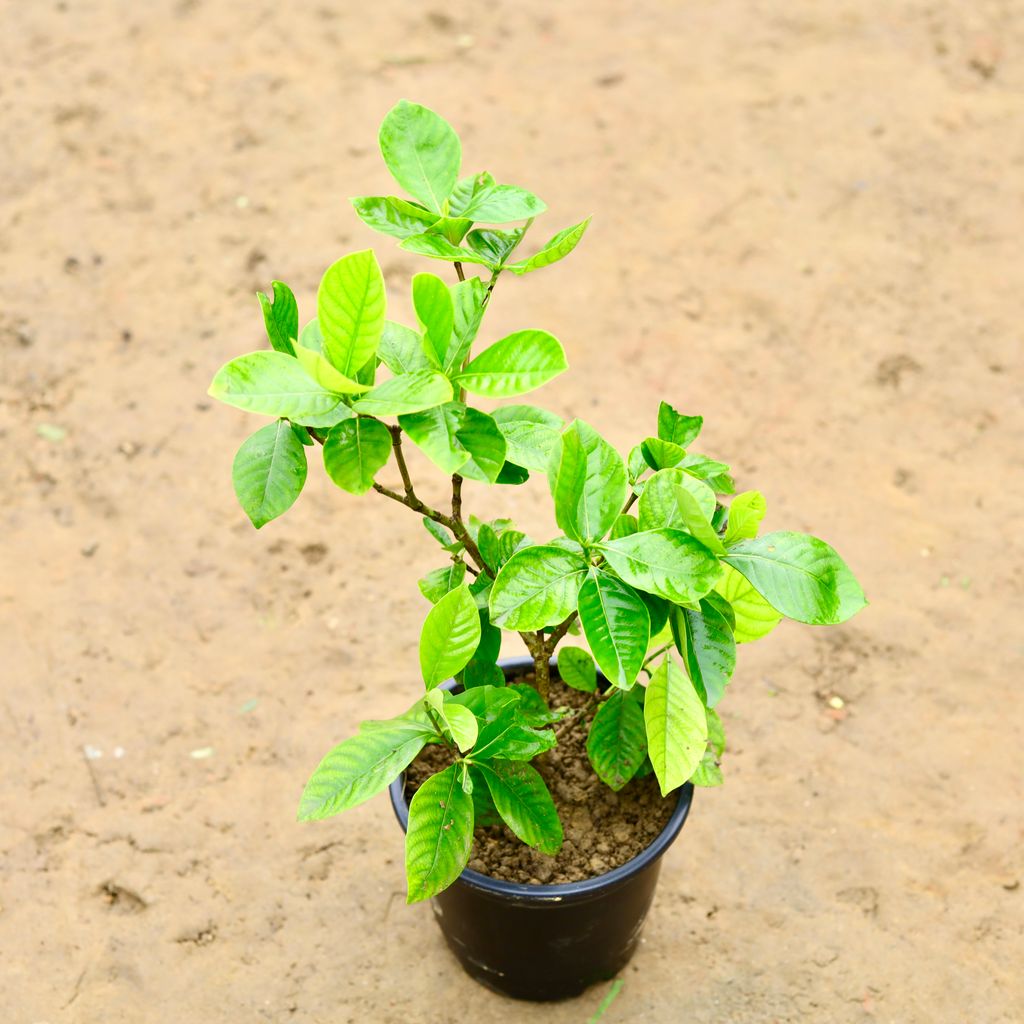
546	942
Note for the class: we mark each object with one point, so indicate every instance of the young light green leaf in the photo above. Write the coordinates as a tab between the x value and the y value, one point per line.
754	616
435	432
433	304
355	451
745	514
677	428
716	474
440	834
800	576
449	637
410	392
616	625
350	310
269	472
468	299
537	587
530	434
677	727
661	454
311	337
274	384
514	365
617	742
693	520
706	643
457	719
480	436
707	773
636	466
524	803
361	767
588	482
511	740
716	733
493	244
280	317
421	151
669	563
326	375
576	668
624	526
499	204
393	216
440	248
401	349
439	582
659	507
553	250
453	229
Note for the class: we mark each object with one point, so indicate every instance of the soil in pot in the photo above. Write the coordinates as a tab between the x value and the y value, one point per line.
602	829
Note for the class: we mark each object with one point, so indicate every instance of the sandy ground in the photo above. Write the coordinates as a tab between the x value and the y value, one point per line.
807	222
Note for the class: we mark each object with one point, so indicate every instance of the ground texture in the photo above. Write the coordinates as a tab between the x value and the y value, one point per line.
807	223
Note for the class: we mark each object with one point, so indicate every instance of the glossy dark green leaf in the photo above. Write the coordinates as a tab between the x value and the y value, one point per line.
510	739
439	836
677	727
450	635
350	306
677	428
524	803
617	741
553	250
410	392
530	434
576	668
493	244
355	451
669	563
512	475
588	482
514	365
422	152
442	581
537	587
484	811
393	216
616	625
532	709
280	317
269	471
657	609
708	649
746	511
800	576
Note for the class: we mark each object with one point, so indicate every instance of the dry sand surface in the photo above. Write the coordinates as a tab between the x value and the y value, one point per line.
807	224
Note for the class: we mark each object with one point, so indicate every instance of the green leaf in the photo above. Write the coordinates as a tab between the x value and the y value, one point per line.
439	836
453	229
660	454
439	582
468	309
514	365
553	250
677	727
537	587
524	803
350	310
354	452
311	337
532	709
280	317
800	576
450	635
707	773
480	436
657	609
754	616
326	375
669	563
659	507
512	475
508	738
435	432
482	673
588	482
693	520
361	767
488	703
439	248
624	526
393	216
576	668
745	514
269	471
636	466
530	434
716	474
493	244
716	733
677	428
617	742
410	392
708	649
458	720
401	349
433	304
616	625
499	204
274	384
421	151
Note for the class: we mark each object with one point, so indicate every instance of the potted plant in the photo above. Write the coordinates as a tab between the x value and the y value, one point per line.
656	569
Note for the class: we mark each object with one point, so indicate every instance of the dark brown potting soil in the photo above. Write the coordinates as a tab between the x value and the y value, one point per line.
603	829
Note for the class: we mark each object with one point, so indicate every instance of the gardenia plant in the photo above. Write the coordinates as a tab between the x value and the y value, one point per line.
652	567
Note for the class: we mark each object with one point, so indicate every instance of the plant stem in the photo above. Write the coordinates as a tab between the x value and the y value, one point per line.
460	271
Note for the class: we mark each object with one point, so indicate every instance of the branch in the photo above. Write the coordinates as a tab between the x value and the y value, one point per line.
558	632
